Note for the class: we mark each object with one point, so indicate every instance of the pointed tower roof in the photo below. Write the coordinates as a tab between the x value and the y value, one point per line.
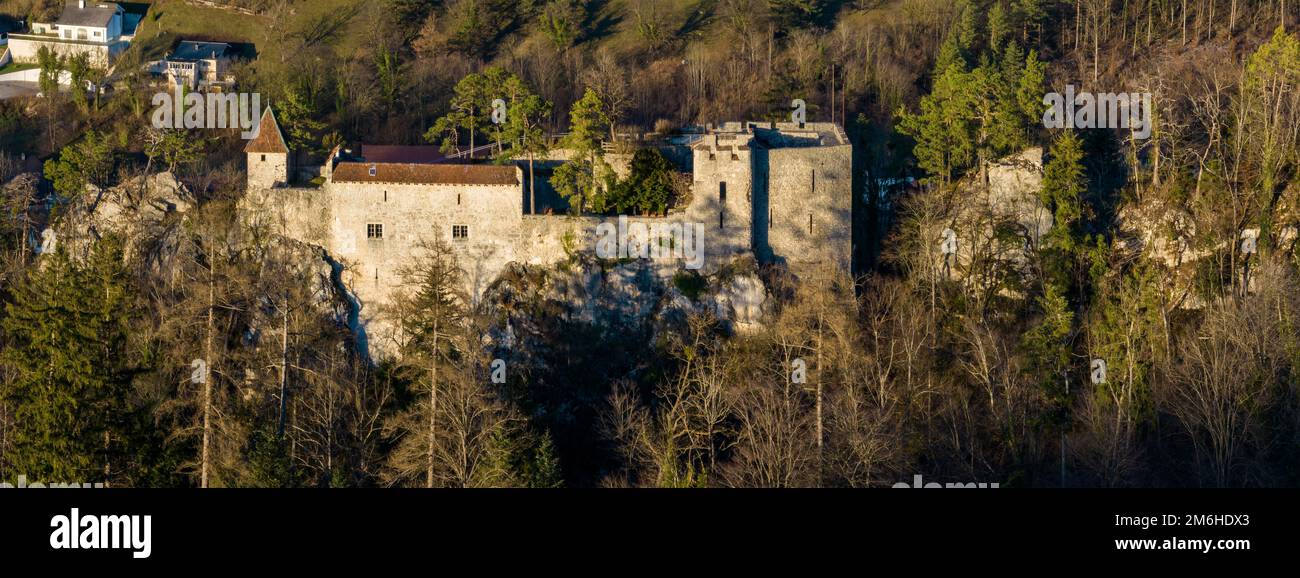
268	138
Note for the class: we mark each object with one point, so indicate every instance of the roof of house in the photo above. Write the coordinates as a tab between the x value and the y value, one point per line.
95	14
402	154
197	50
268	138
425	174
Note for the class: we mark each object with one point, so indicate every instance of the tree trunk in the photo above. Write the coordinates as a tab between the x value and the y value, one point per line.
208	359
433	407
284	359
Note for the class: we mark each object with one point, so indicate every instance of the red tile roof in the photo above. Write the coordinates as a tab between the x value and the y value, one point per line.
424	174
268	139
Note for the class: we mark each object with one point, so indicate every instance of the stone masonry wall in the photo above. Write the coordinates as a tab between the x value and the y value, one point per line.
718	165
810	196
267	170
409	214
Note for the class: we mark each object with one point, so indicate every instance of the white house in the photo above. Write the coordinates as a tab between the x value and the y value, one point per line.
85	26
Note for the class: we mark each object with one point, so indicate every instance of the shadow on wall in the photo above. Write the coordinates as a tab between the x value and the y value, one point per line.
354	307
548	200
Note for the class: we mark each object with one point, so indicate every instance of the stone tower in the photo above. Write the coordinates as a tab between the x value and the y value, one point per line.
268	155
723	193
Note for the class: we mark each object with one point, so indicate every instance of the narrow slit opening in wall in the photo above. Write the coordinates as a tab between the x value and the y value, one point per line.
385	196
457	198
720	217
722	192
809	223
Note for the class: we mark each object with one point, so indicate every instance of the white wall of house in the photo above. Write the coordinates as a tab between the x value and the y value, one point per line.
25	49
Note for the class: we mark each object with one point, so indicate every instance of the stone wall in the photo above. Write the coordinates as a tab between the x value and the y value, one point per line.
267	170
809	206
411	214
303	214
723	165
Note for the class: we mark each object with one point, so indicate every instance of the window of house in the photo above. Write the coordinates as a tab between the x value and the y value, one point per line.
375	231
97	33
373	170
459	232
720	217
263	158
722	192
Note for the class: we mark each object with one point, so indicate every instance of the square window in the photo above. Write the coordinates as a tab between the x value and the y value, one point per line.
375	231
263	158
459	232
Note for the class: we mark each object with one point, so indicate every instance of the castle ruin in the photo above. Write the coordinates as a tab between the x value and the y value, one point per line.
778	191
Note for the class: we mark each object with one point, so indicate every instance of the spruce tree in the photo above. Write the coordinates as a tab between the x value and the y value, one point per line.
66	329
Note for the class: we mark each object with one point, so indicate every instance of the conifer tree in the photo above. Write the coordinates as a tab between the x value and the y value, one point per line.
66	330
1063	187
581	177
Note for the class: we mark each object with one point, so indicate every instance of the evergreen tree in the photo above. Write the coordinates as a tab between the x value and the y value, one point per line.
1047	342
1030	86
999	25
648	187
1063	187
528	135
561	21
795	13
582	177
87	162
945	128
66	330
297	113
471	106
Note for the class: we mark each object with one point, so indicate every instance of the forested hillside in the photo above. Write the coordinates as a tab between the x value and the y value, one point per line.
163	343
